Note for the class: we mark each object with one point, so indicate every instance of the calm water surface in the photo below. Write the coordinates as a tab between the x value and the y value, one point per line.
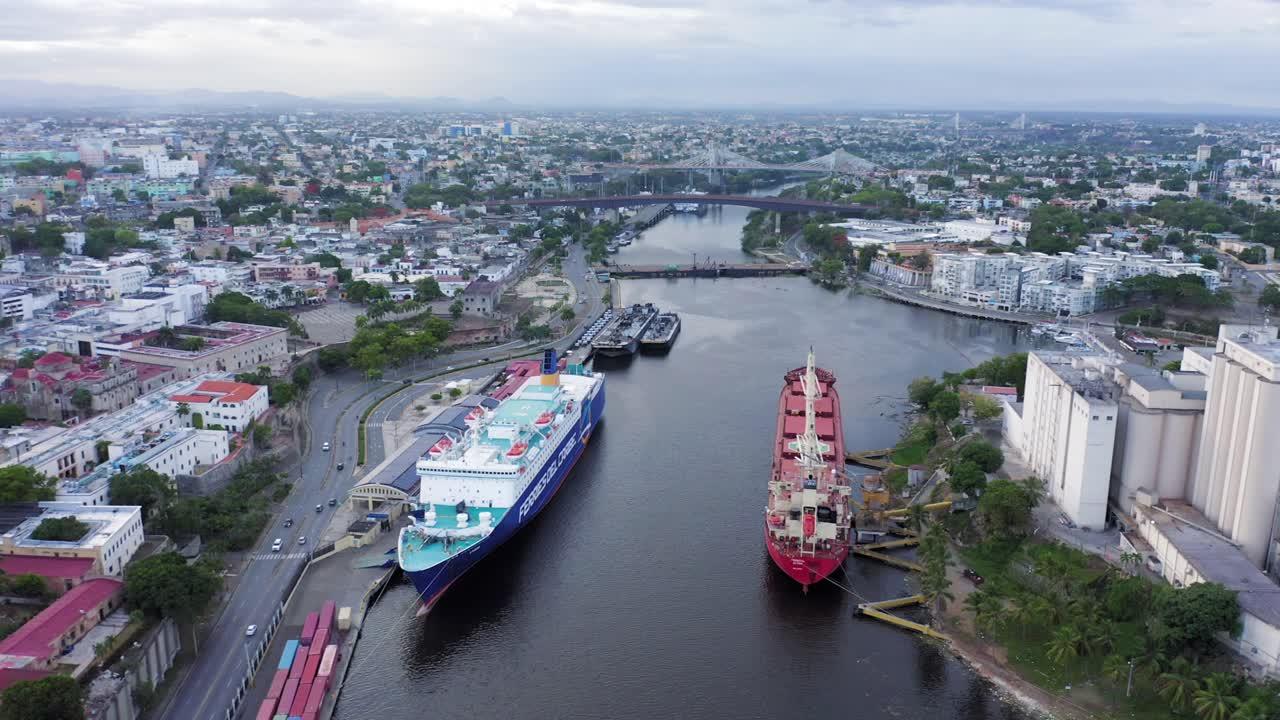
645	590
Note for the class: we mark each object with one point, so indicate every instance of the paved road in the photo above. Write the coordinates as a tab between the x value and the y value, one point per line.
333	411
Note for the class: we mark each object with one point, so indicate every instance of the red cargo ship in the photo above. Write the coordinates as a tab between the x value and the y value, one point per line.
807	520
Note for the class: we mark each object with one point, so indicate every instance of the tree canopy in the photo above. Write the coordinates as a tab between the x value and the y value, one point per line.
1054	229
1004	510
64	529
20	483
11	414
238	307
140	485
56	697
166	585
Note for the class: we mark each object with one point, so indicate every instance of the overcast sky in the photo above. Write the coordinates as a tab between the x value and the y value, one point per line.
919	53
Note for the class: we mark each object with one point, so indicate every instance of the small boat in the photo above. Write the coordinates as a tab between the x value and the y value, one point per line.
1067	339
518	449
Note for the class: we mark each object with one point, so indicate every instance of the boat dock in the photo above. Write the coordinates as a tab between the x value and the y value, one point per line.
710	270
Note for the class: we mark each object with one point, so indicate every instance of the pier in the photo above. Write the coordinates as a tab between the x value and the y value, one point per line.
710	270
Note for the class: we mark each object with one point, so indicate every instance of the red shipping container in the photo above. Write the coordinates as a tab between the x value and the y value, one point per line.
266	709
288	695
327	660
318	641
310	716
309	627
315	699
300	700
277	684
327	612
312	667
299	662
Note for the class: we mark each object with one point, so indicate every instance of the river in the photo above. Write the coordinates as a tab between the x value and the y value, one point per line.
645	590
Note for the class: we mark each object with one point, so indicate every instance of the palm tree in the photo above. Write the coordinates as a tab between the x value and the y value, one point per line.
1102	635
916	518
1255	708
1034	488
1115	668
1024	612
183	409
1216	700
1064	645
1130	561
1178	683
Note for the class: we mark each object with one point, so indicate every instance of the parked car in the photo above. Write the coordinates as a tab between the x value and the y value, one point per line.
251	631
972	576
302	539
275	546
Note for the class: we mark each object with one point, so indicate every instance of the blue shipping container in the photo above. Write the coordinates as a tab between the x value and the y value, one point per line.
286	658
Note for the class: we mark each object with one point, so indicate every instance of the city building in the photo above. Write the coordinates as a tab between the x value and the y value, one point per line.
481	297
232	405
16	302
228	347
42	641
100	280
157	165
1157	433
114	534
50	389
1203	153
1067	424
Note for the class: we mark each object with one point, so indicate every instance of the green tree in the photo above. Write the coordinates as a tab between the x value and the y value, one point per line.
1054	229
166	585
945	406
11	415
922	390
20	483
426	290
1177	684
57	697
262	436
936	557
455	309
142	486
1064	646
29	585
1195	614
1216	699
64	529
1004	510
983	454
1270	297
966	477
984	407
183	409
82	399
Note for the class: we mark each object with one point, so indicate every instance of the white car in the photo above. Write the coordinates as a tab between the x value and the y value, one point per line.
275	546
325	447
251	631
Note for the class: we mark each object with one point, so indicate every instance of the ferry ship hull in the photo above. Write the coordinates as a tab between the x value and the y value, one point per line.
432	582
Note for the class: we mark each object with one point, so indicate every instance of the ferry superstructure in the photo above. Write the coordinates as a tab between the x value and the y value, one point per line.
478	489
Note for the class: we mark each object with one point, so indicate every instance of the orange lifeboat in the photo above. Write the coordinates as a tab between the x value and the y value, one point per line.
518	449
475	414
441	447
544	419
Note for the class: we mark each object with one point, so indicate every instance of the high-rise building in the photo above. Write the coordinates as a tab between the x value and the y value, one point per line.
1068	423
1237	479
1203	153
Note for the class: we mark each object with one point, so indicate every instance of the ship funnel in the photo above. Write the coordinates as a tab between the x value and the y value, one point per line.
550	367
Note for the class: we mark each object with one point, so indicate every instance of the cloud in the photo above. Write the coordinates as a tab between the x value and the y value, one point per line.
924	52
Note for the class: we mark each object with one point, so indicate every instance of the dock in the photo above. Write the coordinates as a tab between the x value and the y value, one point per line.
710	270
649	216
877	610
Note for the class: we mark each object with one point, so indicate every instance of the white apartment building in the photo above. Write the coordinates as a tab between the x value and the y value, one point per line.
115	534
16	302
159	166
1068	424
155	308
221	272
105	281
233	405
1237	479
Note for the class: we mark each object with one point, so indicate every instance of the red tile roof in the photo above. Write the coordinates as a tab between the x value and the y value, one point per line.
36	639
999	390
191	398
53	358
49	567
231	392
9	676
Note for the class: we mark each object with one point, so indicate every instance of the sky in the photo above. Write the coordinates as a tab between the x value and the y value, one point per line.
665	53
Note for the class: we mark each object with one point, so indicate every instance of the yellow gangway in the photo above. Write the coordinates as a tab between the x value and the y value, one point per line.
877	610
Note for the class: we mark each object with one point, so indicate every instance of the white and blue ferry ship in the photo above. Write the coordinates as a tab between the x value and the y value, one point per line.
479	487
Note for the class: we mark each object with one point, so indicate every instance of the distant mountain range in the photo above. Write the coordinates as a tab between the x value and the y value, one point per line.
36	96
22	94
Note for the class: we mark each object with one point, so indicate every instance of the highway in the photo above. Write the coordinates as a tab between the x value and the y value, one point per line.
334	407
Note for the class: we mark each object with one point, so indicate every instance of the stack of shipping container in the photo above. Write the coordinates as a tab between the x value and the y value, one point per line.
303	676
